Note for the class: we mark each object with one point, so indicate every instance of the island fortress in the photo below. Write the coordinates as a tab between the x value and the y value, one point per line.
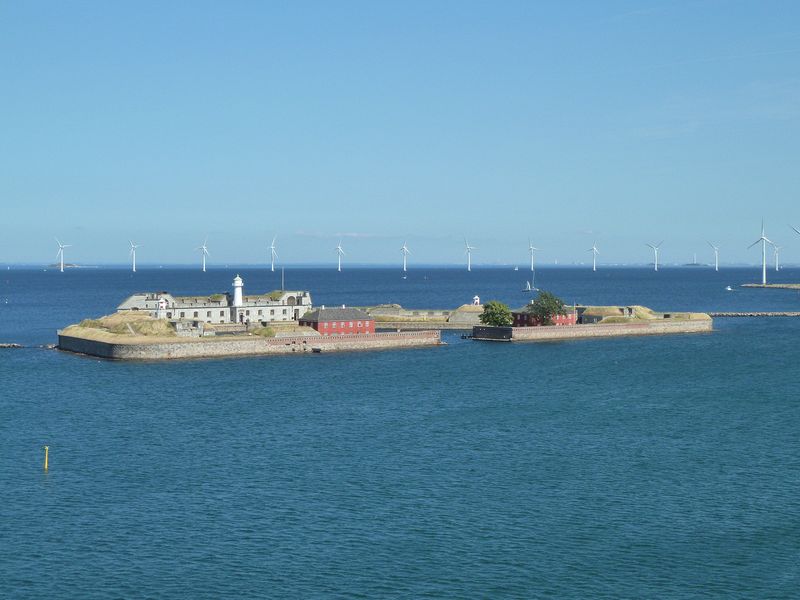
158	325
222	308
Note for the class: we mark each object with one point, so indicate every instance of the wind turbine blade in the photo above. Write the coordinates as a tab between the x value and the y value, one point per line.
797	231
659	244
758	241
650	246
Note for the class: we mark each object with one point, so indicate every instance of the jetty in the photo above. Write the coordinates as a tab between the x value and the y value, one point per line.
755	314
775	286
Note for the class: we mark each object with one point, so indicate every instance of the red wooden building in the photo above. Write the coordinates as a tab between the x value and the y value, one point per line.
339	321
523	318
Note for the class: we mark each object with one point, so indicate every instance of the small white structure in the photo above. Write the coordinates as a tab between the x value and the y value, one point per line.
476	300
238	284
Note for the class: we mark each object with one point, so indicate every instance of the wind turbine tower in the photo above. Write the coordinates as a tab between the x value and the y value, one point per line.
716	255
405	251
339	254
133	255
532	250
763	240
204	252
776	251
655	248
272	254
469	254
60	254
594	252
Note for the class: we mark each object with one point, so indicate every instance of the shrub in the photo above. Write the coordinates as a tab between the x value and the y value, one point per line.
496	314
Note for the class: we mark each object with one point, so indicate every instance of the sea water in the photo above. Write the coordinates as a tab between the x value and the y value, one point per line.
621	468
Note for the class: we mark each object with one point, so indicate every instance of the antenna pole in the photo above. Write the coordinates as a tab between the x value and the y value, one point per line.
282	288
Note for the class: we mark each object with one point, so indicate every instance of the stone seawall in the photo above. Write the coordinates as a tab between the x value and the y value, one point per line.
532	334
420	325
245	346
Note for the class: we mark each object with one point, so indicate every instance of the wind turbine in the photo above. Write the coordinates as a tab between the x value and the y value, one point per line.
133	254
204	251
796	230
764	240
469	254
776	251
655	248
339	253
405	251
532	250
716	255
594	252
272	254
60	254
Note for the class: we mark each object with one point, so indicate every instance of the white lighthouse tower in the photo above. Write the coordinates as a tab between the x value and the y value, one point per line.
238	284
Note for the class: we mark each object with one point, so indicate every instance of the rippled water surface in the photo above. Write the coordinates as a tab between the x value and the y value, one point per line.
624	468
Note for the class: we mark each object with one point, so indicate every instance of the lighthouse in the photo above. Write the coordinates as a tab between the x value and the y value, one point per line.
238	284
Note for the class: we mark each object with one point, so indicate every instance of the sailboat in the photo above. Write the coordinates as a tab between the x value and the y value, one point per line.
530	286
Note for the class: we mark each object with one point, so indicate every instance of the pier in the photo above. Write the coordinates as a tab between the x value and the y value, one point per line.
754	314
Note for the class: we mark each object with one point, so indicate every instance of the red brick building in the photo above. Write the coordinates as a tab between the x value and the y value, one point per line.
523	318
339	321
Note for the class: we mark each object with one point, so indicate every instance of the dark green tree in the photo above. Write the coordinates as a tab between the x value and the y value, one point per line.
546	306
496	314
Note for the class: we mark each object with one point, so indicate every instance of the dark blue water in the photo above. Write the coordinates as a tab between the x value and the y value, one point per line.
626	468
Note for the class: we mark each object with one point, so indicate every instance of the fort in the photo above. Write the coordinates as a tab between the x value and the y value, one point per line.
159	325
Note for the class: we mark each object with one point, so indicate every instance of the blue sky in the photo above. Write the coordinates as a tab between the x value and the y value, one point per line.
570	122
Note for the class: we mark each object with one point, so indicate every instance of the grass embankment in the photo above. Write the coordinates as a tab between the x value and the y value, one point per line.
267	332
122	327
615	314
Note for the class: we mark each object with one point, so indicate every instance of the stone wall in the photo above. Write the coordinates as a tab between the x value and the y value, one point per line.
566	332
245	346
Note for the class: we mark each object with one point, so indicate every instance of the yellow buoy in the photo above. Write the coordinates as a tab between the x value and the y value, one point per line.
46	452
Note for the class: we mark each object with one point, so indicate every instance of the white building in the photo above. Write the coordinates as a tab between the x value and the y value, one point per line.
235	307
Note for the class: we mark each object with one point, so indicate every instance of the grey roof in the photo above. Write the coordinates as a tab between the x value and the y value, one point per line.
336	314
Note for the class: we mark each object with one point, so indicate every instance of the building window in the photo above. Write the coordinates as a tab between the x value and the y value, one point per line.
195	314
183	314
247	312
359	323
208	313
169	315
271	311
221	314
334	325
284	311
351	324
325	325
259	311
